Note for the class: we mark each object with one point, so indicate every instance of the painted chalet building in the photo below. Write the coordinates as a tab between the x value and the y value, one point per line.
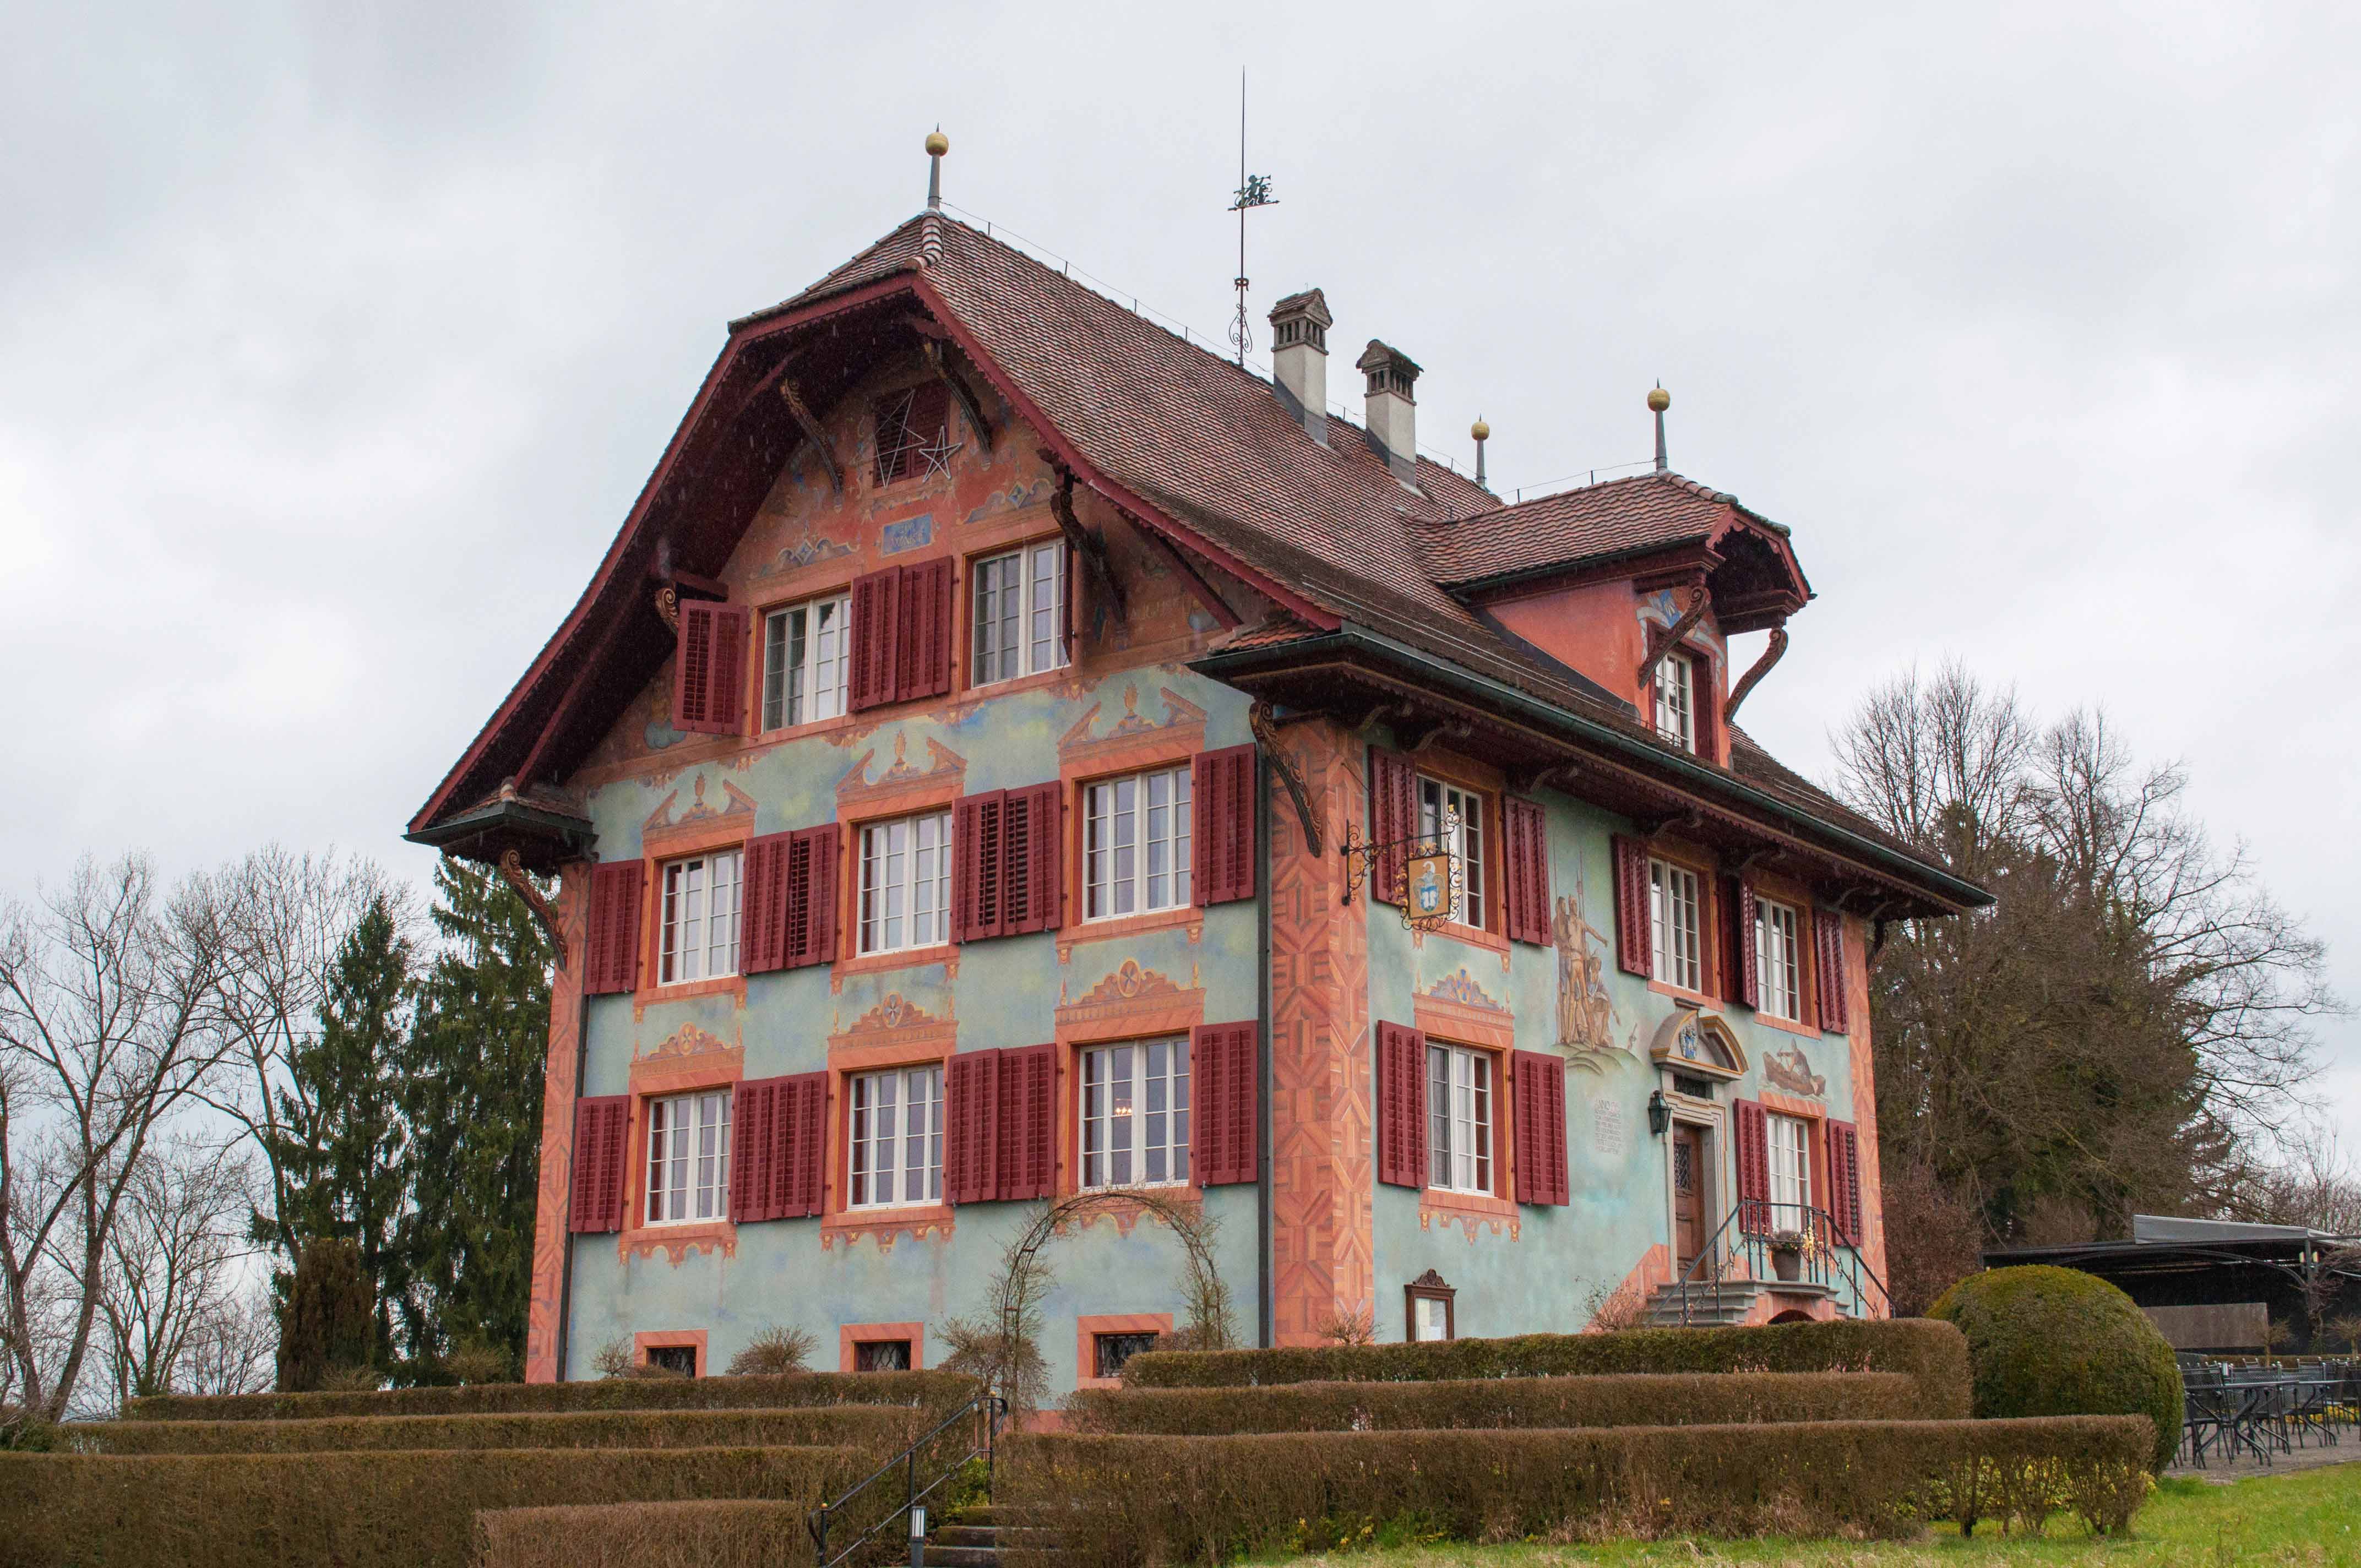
961	776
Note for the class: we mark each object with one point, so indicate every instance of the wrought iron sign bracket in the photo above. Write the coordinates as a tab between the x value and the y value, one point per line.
1362	858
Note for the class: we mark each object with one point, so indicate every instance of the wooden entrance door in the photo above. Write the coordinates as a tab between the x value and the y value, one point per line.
1689	1192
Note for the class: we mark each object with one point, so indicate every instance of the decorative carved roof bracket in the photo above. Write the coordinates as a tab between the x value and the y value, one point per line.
1739	864
1550	775
669	607
1178	559
1266	732
959	391
1651	826
1761	667
811	430
1087	542
1661	642
1415	738
513	872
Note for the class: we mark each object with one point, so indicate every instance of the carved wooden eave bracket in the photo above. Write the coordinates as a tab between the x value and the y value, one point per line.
1265	731
812	432
669	607
1661	642
1754	673
960	391
1087	542
513	872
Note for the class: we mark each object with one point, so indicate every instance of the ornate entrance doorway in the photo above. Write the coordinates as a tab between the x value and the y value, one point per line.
1689	1175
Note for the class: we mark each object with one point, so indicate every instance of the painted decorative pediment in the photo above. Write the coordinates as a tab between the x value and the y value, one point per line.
1131	999
943	766
1461	987
1691	1041
1183	726
735	801
898	1022
689	1040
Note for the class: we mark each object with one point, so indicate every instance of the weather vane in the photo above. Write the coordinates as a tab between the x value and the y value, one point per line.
1254	191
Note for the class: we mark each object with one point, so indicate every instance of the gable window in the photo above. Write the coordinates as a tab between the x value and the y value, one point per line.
1020	612
1109	1352
1136	849
1459	1119
688	1157
1466	841
1791	1172
1778	961
914	433
1136	1114
701	918
906	883
1674	924
806	668
1676	700
897	1138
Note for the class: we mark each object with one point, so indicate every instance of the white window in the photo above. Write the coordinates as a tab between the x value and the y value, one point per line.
701	918
906	883
688	1157
1791	1172
806	662
1459	1119
1673	922
1020	612
1466	841
1135	844
1136	1114
1778	961
897	1137
1676	700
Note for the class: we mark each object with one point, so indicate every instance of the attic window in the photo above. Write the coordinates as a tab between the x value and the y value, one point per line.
913	432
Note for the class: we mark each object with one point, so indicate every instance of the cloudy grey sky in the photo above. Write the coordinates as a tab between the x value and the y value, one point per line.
335	341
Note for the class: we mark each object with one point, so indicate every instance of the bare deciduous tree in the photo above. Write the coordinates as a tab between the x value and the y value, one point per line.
179	1282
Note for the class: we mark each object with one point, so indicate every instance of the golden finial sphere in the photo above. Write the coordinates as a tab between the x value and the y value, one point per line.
1480	429
937	144
1660	399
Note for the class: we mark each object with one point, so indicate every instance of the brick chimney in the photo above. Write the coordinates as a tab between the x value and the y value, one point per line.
1299	359
1393	408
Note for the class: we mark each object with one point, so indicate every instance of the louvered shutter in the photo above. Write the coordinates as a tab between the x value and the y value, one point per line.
1393	816
1027	1127
1753	1133
800	1169
1741	961
1402	1106
979	867
763	931
1032	862
708	676
875	628
1525	866
754	1144
1828	968
611	953
1634	940
1540	1112
600	1123
971	1121
1222	825
808	921
1225	1133
1844	1181
923	631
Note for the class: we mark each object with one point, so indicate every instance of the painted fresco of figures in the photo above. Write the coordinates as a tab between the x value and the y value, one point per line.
1585	1017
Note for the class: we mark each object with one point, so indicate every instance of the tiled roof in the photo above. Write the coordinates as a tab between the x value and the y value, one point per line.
1615	518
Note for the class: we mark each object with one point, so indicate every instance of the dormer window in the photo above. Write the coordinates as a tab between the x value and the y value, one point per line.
1676	700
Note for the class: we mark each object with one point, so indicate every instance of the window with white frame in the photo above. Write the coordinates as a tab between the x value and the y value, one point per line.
701	918
1791	1171
1459	1118
1135	844
1020	612
897	1137
807	661
688	1157
1465	840
1136	1114
1778	961
1674	924
1676	700
905	883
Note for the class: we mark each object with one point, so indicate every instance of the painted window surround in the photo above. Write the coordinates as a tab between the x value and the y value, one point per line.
1712	961
1447	1023
849	1336
671	1338
659	1076
1798	897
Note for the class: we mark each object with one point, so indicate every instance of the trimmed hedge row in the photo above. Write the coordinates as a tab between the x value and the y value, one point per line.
870	1428
645	1535
1933	1355
1126	1501
795	1390
352	1510
1616	1399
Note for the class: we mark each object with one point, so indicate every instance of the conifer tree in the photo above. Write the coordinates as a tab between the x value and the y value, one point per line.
328	1318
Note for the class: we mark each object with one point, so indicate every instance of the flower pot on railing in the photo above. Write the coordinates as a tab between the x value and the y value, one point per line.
1787	1254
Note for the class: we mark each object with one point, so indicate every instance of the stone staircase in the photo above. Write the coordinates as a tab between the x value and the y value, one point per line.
1710	1304
971	1538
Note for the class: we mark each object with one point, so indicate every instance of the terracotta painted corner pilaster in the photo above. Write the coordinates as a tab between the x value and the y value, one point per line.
541	1334
1864	1098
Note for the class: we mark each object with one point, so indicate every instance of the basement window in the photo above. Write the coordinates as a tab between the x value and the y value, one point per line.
881	1355
679	1358
1109	1352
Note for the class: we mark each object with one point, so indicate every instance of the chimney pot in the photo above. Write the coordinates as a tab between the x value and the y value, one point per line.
1392	407
1299	359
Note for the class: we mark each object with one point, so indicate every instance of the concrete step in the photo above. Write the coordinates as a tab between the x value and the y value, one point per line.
963	1556
964	1535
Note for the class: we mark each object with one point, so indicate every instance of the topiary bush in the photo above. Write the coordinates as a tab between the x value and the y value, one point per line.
2055	1342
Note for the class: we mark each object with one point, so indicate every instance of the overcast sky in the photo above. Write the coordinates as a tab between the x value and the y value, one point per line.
333	351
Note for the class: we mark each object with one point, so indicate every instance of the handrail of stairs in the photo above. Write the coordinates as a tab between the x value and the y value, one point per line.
1825	1255
986	1409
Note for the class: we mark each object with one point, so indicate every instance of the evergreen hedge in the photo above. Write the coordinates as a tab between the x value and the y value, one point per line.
1933	1355
795	1390
645	1535
1618	1400
870	1428
1126	1501
353	1510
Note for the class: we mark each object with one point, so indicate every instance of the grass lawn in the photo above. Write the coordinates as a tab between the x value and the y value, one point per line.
2305	1516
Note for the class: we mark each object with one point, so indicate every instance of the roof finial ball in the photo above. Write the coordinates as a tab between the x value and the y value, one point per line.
1482	433
1658	401
937	144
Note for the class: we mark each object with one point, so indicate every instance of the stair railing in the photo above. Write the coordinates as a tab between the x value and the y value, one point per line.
986	1410
1742	1249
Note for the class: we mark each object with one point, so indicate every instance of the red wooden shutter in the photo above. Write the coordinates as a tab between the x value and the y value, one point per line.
797	1164
1225	1133
1402	1106
1032	863
762	934
875	625
1828	968
1634	940
808	918
600	1125
1222	825
980	869
1844	1181
1393	816
1753	1133
753	1130
1741	957
611	954
1539	1087
1027	1141
709	673
971	1121
923	621
1525	868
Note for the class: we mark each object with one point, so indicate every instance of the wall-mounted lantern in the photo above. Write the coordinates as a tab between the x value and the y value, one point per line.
1660	1115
